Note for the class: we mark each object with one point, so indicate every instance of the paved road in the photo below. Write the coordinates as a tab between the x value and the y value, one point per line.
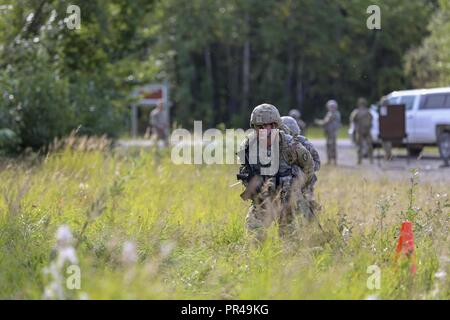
347	156
398	167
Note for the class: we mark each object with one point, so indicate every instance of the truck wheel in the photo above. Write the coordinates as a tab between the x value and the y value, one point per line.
444	146
414	151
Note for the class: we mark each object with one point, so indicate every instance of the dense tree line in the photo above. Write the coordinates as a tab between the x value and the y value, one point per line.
429	64
224	57
221	57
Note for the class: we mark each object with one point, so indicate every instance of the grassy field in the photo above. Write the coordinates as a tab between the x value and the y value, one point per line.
187	226
314	132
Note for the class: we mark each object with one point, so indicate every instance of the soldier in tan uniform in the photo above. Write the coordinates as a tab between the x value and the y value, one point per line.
270	192
362	122
294	113
159	124
331	124
307	193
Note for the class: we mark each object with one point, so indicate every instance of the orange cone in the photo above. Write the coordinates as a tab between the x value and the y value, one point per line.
405	244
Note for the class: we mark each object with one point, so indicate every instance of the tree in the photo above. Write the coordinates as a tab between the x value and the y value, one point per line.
429	64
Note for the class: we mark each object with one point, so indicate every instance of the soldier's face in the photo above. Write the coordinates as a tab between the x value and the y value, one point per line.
265	129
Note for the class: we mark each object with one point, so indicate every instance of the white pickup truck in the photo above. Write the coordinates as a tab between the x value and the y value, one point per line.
427	119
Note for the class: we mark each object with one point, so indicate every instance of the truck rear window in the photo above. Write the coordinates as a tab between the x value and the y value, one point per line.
436	101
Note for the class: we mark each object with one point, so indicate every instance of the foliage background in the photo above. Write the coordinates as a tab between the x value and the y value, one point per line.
221	58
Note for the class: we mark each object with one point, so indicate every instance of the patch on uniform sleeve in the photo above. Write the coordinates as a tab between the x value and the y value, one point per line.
305	157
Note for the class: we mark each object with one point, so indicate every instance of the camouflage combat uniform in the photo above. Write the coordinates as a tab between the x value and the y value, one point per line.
294	113
271	194
158	123
362	120
291	127
331	124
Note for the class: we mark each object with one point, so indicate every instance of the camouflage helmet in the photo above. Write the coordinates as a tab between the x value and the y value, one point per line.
332	104
361	102
265	114
294	113
291	124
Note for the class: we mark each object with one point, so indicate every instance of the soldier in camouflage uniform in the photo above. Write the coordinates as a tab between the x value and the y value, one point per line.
362	122
294	113
270	192
159	124
292	128
331	124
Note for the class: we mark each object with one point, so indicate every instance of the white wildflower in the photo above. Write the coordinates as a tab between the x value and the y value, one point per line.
65	254
84	296
441	275
64	237
129	253
346	234
167	248
83	186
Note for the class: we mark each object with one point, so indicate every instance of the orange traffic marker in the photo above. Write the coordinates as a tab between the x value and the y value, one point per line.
405	244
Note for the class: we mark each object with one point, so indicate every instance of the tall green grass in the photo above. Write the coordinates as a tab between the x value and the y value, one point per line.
188	226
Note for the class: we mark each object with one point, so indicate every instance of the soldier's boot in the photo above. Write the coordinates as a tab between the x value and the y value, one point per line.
328	158
330	155
359	155
360	150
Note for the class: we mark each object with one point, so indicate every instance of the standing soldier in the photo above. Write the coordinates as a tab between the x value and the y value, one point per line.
270	190
294	113
362	121
159	123
331	124
307	192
